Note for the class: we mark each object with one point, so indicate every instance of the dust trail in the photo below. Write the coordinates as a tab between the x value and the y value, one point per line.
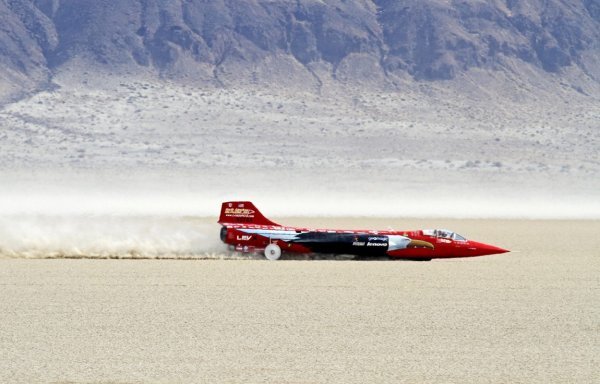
121	237
32	236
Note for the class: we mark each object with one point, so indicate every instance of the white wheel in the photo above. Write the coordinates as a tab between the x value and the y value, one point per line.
272	252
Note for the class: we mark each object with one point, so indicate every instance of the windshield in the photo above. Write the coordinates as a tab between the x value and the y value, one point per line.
444	234
458	237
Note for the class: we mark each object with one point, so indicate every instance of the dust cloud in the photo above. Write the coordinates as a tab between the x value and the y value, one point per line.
107	236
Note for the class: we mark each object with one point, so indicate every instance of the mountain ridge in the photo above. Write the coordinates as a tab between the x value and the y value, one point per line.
303	43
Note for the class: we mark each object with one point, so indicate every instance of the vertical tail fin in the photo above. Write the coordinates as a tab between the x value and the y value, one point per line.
242	212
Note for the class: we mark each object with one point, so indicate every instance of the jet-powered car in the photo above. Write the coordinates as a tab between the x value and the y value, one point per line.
246	230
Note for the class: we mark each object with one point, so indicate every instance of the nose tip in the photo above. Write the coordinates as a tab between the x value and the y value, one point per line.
498	250
487	249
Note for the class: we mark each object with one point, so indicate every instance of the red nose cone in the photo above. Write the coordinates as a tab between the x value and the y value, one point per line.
481	249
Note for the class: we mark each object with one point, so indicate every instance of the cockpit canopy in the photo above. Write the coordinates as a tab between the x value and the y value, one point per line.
444	234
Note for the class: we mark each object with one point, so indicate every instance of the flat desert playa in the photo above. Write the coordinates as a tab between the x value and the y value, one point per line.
530	316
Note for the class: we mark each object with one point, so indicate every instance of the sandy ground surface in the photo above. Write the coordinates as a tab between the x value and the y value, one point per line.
529	316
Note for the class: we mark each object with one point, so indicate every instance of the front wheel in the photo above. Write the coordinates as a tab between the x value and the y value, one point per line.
273	252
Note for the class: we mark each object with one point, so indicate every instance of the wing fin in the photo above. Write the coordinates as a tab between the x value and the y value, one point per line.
242	212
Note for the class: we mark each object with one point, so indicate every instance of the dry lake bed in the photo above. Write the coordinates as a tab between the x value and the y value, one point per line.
530	316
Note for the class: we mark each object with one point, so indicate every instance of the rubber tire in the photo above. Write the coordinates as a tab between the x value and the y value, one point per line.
272	252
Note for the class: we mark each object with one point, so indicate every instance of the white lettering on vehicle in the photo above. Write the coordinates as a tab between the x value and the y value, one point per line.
376	244
244	237
358	243
239	212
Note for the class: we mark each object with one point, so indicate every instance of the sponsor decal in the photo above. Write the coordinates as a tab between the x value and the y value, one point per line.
378	238
444	241
358	243
376	244
244	237
239	212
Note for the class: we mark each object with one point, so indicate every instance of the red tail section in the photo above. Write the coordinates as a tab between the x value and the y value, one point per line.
242	212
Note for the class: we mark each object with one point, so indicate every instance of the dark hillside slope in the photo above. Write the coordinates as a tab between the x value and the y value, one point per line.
229	41
438	39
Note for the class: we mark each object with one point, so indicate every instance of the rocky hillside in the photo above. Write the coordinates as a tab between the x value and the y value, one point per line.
301	43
